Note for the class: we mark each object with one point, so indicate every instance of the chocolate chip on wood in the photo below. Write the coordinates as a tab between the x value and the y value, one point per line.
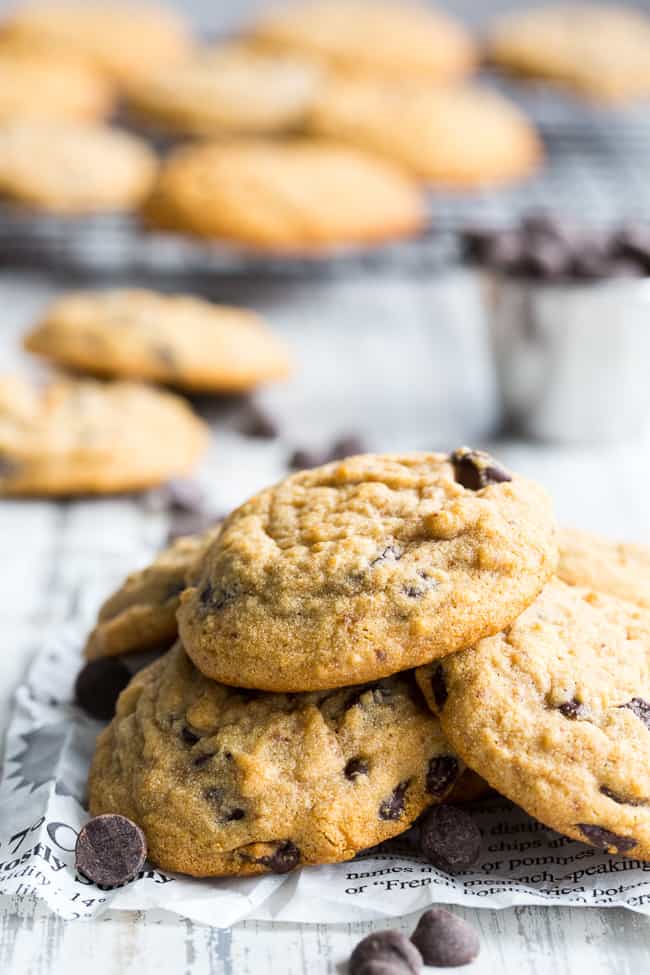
110	850
391	948
445	940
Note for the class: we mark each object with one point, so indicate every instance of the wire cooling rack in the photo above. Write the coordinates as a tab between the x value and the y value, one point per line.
597	170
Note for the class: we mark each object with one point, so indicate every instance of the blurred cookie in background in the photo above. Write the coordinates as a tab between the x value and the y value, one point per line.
302	195
73	167
457	138
126	40
74	437
51	86
601	52
385	39
230	88
180	340
619	569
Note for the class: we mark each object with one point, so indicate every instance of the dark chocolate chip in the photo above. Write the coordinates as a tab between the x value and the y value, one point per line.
188	736
441	774
282	860
444	940
185	495
258	424
439	687
476	470
626	267
450	839
302	459
346	446
202	760
605	839
640	708
391	948
110	850
214	599
476	242
543	223
380	966
393	806
505	251
355	767
98	686
633	240
547	257
573	709
235	814
590	262
620	799
190	523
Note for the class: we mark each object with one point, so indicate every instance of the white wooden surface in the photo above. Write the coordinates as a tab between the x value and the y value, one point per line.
404	361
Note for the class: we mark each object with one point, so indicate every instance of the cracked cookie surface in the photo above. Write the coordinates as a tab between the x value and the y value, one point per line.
616	568
365	567
180	340
555	714
224	781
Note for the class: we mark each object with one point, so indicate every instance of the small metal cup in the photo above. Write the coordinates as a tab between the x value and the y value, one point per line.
573	359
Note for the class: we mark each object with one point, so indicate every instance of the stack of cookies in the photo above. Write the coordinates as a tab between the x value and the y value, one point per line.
353	638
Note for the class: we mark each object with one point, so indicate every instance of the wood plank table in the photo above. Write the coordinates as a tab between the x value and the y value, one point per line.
403	361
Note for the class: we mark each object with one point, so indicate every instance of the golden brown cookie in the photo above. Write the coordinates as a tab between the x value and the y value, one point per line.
231	89
50	86
73	168
175	339
599	51
224	781
555	714
615	568
126	40
459	138
291	196
365	567
386	39
141	614
82	436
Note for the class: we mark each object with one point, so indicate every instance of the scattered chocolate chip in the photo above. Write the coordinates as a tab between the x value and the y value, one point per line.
450	839
258	424
439	687
393	806
573	710
475	469
505	251
185	495
391	948
640	708
234	815
547	257
215	599
302	459
110	850
355	767
476	242
202	760
188	736
605	839
346	446
441	774
444	940
190	523
98	686
282	860
620	799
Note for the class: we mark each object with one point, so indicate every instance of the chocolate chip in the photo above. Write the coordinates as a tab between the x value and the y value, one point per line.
444	940
356	767
346	446
620	799
450	839
235	814
441	774
640	708
110	850
98	686
188	736
393	806
439	687
505	251
475	469
284	859
258	424
190	523
212	598
476	242
391	948
303	459
380	966
547	257
605	839
390	553
202	760
573	709
622	267
633	240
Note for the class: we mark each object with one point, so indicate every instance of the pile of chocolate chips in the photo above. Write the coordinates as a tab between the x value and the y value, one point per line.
548	247
441	939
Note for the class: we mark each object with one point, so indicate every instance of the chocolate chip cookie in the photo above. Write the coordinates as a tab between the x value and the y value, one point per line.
76	437
365	567
141	614
555	714
175	339
304	195
616	568
461	137
75	90
386	39
224	781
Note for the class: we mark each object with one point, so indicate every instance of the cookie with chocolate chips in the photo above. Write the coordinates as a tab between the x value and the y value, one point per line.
555	713
228	782
365	567
616	568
